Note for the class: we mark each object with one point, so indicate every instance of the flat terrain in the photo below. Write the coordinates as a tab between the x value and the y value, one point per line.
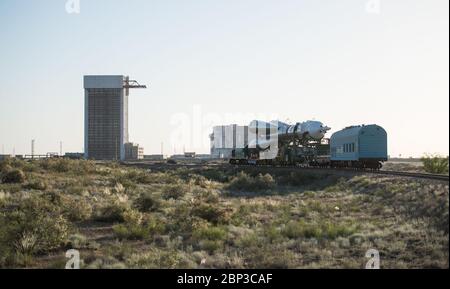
404	166
161	217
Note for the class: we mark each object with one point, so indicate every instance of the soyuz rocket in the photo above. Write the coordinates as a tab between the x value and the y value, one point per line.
275	130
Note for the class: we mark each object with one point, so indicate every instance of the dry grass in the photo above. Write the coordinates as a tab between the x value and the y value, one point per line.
120	217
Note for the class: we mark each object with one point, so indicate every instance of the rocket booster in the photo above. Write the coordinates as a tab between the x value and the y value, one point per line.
309	130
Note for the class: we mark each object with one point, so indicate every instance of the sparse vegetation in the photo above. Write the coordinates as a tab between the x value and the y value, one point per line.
13	176
435	164
122	217
245	182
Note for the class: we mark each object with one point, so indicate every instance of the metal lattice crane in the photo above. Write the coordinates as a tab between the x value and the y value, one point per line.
131	84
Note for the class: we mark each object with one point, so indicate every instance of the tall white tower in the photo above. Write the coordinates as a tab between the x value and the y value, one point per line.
106	116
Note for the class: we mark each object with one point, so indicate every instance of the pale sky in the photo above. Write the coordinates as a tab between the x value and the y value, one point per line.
342	62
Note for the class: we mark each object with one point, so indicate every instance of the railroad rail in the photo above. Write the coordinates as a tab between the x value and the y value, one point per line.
165	166
415	175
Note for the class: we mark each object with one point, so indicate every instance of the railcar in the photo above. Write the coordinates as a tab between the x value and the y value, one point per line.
363	147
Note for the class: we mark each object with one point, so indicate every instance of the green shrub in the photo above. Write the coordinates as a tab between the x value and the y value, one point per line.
73	208
435	164
154	259
14	176
78	241
206	195
134	176
135	227
77	209
173	192
39	185
214	174
147	202
210	233
56	165
130	232
31	226
269	257
298	178
5	166
111	213
210	239
211	213
244	182
272	233
326	230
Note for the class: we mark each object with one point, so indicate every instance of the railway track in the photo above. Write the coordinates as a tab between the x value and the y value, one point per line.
415	175
165	166
381	172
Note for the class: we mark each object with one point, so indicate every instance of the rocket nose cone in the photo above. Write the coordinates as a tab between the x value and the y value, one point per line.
325	129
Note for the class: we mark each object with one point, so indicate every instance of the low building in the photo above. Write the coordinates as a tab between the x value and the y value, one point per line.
74	156
133	152
178	157
5	157
190	155
154	157
203	156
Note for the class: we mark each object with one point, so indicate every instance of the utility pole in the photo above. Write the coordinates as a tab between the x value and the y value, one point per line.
60	149
162	148
32	149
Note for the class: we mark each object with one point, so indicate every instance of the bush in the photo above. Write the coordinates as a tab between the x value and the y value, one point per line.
154	259
147	202
298	178
56	165
5	166
210	239
211	213
31	226
60	165
244	182
135	227
135	176
14	176
173	192
435	164
210	233
78	241
269	257
77	209
39	185
205	195
111	213
73	208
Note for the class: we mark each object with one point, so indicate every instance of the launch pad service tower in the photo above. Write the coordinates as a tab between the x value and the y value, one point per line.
106	116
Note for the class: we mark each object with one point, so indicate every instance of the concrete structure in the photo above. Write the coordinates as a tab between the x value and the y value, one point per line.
226	138
106	116
203	156
154	157
5	157
75	156
133	152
